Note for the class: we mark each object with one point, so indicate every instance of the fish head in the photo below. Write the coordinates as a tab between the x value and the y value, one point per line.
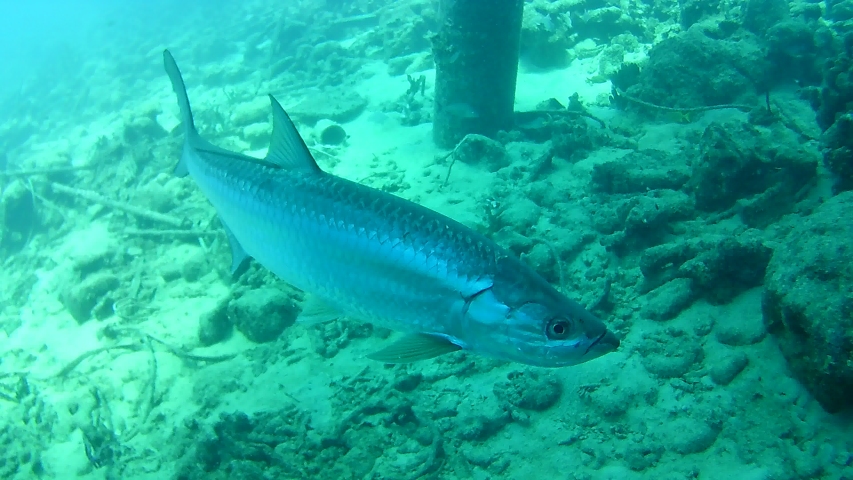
557	334
522	318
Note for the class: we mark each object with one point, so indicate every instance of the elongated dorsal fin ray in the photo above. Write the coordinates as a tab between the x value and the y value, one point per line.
287	149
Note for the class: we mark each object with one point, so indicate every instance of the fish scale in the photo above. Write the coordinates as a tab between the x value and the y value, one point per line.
370	255
293	206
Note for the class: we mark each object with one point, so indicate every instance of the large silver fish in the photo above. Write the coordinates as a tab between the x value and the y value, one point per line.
366	254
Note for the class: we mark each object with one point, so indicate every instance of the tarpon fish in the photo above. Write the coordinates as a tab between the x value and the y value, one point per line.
361	253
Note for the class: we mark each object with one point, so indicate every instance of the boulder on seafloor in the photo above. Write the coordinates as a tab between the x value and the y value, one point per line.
478	149
668	300
706	65
721	267
214	325
838	151
808	301
92	273
91	296
18	217
262	314
757	171
640	172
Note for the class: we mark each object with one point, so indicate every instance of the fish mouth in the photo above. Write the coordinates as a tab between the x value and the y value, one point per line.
607	341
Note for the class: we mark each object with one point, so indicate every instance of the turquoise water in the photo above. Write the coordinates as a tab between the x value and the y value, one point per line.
680	169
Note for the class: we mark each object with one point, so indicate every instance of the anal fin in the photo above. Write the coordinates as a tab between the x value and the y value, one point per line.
415	347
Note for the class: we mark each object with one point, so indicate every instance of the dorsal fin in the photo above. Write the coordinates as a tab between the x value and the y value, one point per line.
287	149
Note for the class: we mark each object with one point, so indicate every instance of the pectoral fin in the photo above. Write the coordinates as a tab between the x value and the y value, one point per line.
414	347
316	311
239	257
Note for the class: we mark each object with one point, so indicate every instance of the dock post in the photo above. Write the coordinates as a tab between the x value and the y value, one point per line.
476	59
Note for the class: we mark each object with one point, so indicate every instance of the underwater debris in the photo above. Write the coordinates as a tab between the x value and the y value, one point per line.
42	171
124	207
620	95
416	85
330	133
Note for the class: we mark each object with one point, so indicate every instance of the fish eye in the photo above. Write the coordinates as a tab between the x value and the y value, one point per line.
559	329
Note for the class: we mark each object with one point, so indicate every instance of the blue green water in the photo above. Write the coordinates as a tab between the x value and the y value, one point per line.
694	195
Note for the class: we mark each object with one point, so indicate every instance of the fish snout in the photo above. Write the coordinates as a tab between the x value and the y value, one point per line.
605	343
609	340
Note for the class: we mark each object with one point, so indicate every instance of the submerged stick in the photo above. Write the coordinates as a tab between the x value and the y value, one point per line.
738	106
152	384
560	113
91	353
180	353
42	171
169	233
452	156
133	210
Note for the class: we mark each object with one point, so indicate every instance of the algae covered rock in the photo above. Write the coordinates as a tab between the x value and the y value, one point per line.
721	267
521	214
838	155
639	172
668	300
18	217
760	15
740	164
794	52
214	325
606	22
701	67
739	330
478	149
91	296
808	301
638	221
262	314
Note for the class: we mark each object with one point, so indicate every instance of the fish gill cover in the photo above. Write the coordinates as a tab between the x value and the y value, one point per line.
681	170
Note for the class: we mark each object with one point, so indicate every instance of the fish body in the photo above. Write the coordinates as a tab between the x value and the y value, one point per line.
366	254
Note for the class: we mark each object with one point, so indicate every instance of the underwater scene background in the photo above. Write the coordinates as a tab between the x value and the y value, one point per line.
683	169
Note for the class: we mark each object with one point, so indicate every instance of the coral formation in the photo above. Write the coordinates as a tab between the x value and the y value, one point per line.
807	301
